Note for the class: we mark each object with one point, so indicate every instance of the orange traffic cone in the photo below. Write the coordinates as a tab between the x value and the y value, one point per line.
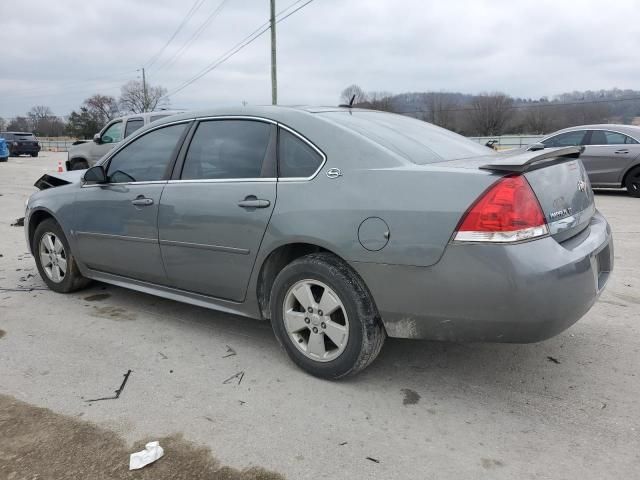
60	170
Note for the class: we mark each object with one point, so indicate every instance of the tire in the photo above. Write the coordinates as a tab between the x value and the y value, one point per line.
72	280
356	318
4	159
79	165
34	154
632	182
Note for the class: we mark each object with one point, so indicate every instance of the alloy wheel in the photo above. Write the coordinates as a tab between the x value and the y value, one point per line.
316	320
53	257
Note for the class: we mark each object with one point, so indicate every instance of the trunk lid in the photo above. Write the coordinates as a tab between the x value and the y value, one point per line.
557	177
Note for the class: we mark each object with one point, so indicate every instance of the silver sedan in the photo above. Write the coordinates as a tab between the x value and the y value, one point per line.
611	153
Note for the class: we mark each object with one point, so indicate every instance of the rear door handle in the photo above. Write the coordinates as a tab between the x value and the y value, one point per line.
621	151
252	202
142	201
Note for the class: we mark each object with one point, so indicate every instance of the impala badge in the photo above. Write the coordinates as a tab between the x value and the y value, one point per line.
334	173
582	186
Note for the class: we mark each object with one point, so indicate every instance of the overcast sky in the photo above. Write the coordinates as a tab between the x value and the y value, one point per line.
58	53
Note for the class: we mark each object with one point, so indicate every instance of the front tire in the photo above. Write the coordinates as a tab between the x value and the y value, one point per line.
34	154
324	317
56	264
632	182
79	165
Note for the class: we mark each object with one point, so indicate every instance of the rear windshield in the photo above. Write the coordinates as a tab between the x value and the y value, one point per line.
417	141
25	136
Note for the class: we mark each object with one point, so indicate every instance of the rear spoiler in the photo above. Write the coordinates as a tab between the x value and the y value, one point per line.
525	161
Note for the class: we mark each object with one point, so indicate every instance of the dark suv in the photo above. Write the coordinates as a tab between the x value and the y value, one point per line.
20	143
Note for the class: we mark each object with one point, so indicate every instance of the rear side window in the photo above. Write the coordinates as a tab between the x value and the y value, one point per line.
296	158
605	137
227	149
568	139
146	159
133	124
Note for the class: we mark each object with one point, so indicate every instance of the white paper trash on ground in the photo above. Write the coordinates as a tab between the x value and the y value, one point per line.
152	452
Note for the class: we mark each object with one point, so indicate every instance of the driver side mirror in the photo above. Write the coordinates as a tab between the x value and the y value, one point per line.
95	174
535	147
96	138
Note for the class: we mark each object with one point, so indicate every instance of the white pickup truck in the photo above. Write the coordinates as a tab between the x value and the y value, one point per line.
85	154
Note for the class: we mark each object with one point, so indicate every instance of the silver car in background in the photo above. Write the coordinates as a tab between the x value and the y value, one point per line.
611	153
341	226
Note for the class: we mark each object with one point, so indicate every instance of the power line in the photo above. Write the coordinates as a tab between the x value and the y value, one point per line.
182	50
194	8
239	46
525	106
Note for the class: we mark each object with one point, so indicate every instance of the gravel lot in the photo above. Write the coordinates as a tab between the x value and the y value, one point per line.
564	408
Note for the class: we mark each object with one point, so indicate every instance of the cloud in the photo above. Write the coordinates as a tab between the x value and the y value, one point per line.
58	53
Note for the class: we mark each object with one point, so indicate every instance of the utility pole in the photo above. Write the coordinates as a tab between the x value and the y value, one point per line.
274	75
144	89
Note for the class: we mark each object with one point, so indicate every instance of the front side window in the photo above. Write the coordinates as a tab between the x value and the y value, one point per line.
568	139
146	159
113	134
296	158
227	149
133	124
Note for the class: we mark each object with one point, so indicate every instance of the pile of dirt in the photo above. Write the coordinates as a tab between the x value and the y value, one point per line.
37	443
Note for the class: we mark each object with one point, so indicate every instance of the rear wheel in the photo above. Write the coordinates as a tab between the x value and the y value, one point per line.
34	154
324	317
632	182
4	159
55	262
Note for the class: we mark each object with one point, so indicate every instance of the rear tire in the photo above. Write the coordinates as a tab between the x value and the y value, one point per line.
34	154
56	264
632	182
4	159
340	341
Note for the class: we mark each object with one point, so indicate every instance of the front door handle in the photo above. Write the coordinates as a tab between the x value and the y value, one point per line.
621	152
253	202
142	201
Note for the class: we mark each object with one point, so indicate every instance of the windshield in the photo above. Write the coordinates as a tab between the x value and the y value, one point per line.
25	136
419	142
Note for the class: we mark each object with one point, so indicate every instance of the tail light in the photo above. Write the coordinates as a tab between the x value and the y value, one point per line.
508	212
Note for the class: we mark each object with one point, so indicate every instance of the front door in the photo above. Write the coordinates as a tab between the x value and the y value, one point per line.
116	223
213	217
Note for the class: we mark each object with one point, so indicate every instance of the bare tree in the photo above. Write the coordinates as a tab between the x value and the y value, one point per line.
539	119
104	106
134	98
380	101
19	124
349	92
440	109
489	113
3	124
43	122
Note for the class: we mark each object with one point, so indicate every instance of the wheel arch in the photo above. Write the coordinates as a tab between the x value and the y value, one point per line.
629	170
274	262
35	219
69	163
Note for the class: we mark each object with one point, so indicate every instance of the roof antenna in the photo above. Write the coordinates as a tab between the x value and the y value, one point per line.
353	97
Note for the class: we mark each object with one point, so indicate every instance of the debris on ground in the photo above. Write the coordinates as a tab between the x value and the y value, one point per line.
374	460
117	392
19	222
164	357
239	376
553	359
230	352
343	444
152	452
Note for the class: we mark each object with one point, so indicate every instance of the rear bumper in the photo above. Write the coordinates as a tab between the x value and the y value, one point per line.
517	293
23	149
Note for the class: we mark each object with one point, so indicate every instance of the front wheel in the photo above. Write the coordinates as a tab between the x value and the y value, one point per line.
632	182
79	165
55	262
324	317
34	154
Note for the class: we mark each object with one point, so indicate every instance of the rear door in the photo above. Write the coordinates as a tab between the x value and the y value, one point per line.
116	223
213	215
607	156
